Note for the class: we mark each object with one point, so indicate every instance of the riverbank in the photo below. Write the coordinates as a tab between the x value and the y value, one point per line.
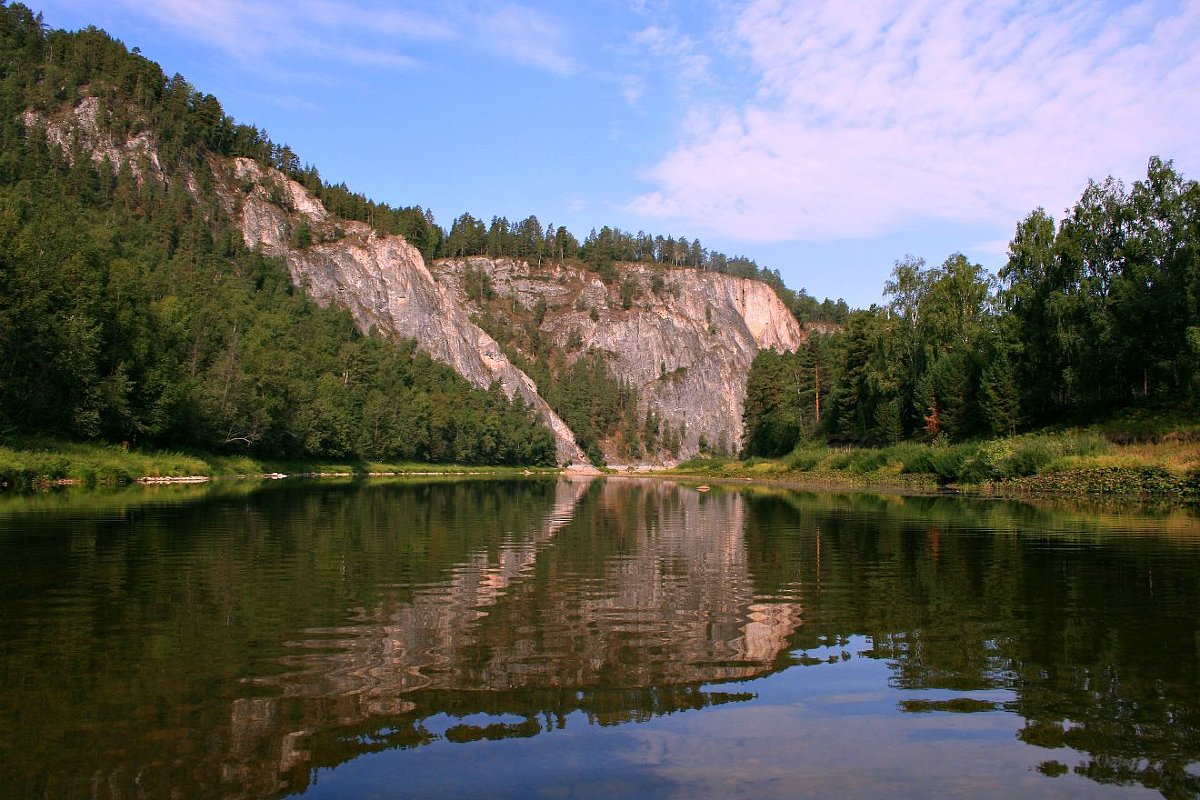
1095	462
1060	463
45	463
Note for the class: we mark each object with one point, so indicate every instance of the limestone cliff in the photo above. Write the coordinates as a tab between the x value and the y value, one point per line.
383	281
683	338
685	341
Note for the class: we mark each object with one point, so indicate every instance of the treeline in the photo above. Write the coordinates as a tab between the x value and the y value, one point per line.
131	311
1089	316
604	250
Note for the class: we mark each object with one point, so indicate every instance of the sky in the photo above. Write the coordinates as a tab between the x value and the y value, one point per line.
826	140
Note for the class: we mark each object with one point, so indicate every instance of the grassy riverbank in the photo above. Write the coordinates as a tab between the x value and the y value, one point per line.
1094	461
1154	456
44	462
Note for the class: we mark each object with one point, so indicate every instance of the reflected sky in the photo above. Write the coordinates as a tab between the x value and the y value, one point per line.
579	638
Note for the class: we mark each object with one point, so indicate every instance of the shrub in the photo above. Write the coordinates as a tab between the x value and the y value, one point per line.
864	461
957	463
805	457
1031	456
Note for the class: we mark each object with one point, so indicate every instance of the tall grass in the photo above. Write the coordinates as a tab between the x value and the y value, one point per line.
967	462
42	462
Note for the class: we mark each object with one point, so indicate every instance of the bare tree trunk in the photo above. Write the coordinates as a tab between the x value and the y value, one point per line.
817	392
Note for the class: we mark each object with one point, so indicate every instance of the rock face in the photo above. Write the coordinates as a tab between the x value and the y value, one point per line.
82	125
384	282
686	347
684	338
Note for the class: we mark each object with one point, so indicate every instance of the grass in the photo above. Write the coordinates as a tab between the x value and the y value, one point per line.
1159	460
40	463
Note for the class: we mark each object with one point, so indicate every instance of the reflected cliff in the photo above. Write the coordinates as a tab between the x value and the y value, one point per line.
620	608
299	626
239	641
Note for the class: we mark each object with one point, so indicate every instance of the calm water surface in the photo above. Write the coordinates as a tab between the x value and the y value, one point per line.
608	639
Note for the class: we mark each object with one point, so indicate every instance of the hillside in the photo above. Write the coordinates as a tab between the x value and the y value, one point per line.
163	262
679	341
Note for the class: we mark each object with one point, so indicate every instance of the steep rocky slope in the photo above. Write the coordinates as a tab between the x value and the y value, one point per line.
382	280
685	341
683	338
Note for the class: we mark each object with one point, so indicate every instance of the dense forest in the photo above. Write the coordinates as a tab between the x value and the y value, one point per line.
1089	316
130	310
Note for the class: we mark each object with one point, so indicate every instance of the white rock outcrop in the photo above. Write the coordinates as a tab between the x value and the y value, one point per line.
687	347
384	282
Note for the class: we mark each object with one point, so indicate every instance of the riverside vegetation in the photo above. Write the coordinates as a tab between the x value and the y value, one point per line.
1079	363
42	463
137	326
1067	462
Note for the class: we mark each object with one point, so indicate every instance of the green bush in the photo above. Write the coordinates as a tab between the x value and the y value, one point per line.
956	463
1087	443
706	463
805	457
864	461
840	459
1030	456
919	461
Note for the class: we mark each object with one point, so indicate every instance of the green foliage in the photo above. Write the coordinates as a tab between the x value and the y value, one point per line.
629	291
1001	459
302	235
477	284
785	393
771	413
36	462
1091	318
805	457
595	404
1103	306
131	312
999	398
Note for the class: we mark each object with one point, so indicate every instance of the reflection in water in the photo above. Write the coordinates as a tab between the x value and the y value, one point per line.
1092	633
244	642
651	596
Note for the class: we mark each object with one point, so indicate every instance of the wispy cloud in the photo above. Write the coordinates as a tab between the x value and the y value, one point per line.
521	34
866	116
270	35
679	47
668	51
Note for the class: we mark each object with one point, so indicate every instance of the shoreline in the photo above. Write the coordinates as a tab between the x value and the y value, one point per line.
1135	474
1095	484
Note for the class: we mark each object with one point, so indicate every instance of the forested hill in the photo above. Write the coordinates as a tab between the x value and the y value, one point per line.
1089	317
161	264
132	311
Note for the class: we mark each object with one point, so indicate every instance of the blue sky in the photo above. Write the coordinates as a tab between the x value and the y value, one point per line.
823	139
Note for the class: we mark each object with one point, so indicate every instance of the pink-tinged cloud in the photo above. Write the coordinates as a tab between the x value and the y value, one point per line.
869	116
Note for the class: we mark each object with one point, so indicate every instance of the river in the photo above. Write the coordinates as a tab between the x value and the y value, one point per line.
592	638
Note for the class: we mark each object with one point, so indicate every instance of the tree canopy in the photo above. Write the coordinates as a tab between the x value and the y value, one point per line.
1091	315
